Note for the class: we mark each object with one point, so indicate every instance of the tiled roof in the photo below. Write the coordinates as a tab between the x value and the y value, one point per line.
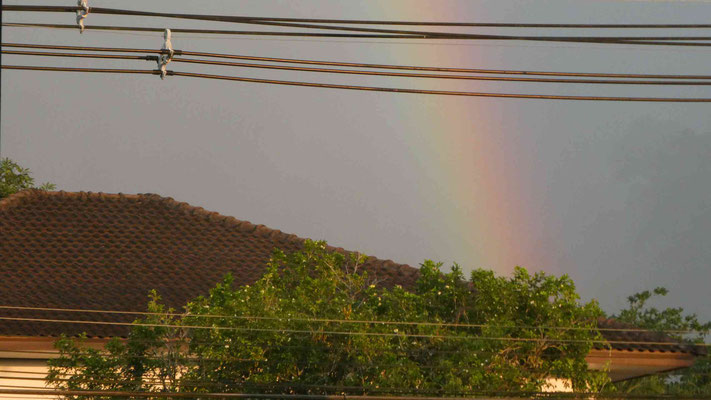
636	339
106	251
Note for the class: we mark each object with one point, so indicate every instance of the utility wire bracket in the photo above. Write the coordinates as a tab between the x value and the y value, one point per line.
167	53
82	14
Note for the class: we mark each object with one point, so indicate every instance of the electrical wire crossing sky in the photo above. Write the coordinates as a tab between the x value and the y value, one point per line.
613	193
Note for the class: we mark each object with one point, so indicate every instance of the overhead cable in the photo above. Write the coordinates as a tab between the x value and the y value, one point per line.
207	382
284	22
512	395
208	344
97	70
339	389
331	320
362	65
80	378
414	34
610	356
462	77
311	332
361	72
351	333
206	31
370	88
439	92
453	24
324	35
81	55
201	360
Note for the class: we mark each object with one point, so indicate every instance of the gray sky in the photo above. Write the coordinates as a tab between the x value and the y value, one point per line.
617	195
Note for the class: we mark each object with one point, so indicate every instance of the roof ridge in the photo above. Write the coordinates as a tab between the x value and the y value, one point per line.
247	226
261	230
226	220
16	198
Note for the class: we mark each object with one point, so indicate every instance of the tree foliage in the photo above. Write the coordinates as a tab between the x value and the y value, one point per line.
300	329
14	178
150	359
677	325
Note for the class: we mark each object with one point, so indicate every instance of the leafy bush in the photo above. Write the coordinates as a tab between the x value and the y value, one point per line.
316	323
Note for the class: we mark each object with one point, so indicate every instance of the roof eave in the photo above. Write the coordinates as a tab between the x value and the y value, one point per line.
626	364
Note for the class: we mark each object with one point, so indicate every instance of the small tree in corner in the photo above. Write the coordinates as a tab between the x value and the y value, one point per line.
14	178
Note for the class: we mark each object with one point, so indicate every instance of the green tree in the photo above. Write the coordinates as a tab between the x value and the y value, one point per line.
152	358
676	325
14	178
316	323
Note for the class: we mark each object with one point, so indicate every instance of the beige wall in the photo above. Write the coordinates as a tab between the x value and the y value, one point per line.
555	385
24	373
23	363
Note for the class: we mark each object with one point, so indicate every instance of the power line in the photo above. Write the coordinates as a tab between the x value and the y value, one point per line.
503	396
362	65
197	359
657	41
440	69
461	77
294	385
342	396
248	385
643	40
353	333
285	22
84	55
202	383
279	347
421	42
370	88
430	352
332	320
437	92
69	69
456	24
207	31
310	332
361	72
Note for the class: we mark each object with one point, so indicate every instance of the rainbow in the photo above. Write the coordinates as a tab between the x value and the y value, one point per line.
468	154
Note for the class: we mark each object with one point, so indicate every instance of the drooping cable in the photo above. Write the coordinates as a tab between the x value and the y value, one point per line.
90	70
340	321
329	35
368	88
415	34
439	92
352	333
169	395
208	31
361	72
80	55
413	23
364	65
286	386
695	41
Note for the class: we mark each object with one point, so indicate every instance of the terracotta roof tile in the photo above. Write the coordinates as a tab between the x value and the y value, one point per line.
642	340
106	251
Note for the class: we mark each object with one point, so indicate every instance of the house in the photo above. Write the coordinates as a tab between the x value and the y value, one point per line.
95	251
